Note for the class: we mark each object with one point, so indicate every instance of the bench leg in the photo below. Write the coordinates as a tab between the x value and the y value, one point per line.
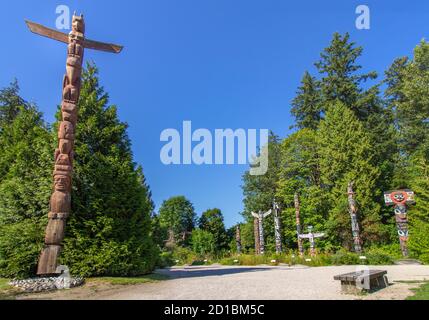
379	283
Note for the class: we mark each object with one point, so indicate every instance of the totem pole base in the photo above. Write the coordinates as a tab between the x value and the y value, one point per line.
48	261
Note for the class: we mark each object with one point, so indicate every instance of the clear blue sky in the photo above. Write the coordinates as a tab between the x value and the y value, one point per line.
219	63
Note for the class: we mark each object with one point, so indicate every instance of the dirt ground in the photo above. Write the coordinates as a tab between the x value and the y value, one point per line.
247	283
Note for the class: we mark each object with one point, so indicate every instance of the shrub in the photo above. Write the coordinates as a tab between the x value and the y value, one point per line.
378	256
203	242
165	259
343	257
20	246
183	255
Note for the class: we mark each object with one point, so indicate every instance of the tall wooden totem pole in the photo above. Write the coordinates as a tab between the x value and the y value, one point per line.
256	235
353	215
399	199
60	203
277	228
298	224
238	238
259	219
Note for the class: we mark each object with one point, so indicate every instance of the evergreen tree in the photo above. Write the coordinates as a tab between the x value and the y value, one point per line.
346	155
109	230
203	242
340	80
300	173
409	96
178	215
260	190
212	221
419	213
25	183
306	106
10	103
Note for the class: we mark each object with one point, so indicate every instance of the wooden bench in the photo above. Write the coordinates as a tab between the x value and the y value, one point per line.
362	280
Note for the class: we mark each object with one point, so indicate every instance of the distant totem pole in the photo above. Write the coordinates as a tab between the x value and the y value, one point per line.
277	228
400	199
259	217
238	238
60	202
310	236
353	215
298	225
256	235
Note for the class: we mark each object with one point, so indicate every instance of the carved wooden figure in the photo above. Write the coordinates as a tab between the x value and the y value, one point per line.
260	218
277	228
60	203
400	199
298	224
238	239
311	236
256	235
353	216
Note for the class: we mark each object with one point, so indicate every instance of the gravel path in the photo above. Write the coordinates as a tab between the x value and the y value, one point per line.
266	283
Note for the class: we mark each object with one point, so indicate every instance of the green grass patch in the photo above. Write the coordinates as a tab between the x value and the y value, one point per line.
6	291
154	277
421	293
4	284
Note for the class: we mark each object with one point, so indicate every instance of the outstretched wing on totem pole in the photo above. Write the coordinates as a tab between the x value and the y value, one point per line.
60	203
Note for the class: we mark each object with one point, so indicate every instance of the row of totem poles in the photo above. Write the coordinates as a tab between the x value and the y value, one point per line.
400	199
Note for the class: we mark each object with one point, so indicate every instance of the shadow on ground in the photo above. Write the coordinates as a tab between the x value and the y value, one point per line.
205	272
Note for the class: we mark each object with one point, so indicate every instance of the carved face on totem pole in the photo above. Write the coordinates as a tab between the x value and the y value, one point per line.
63	165
400	212
62	183
69	111
402	197
66	130
78	24
63	160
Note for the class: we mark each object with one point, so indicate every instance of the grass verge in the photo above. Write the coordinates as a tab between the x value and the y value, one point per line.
6	291
421	293
154	277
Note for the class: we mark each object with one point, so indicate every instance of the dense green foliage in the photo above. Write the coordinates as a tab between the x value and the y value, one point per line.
212	221
177	215
347	131
203	242
25	183
109	230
